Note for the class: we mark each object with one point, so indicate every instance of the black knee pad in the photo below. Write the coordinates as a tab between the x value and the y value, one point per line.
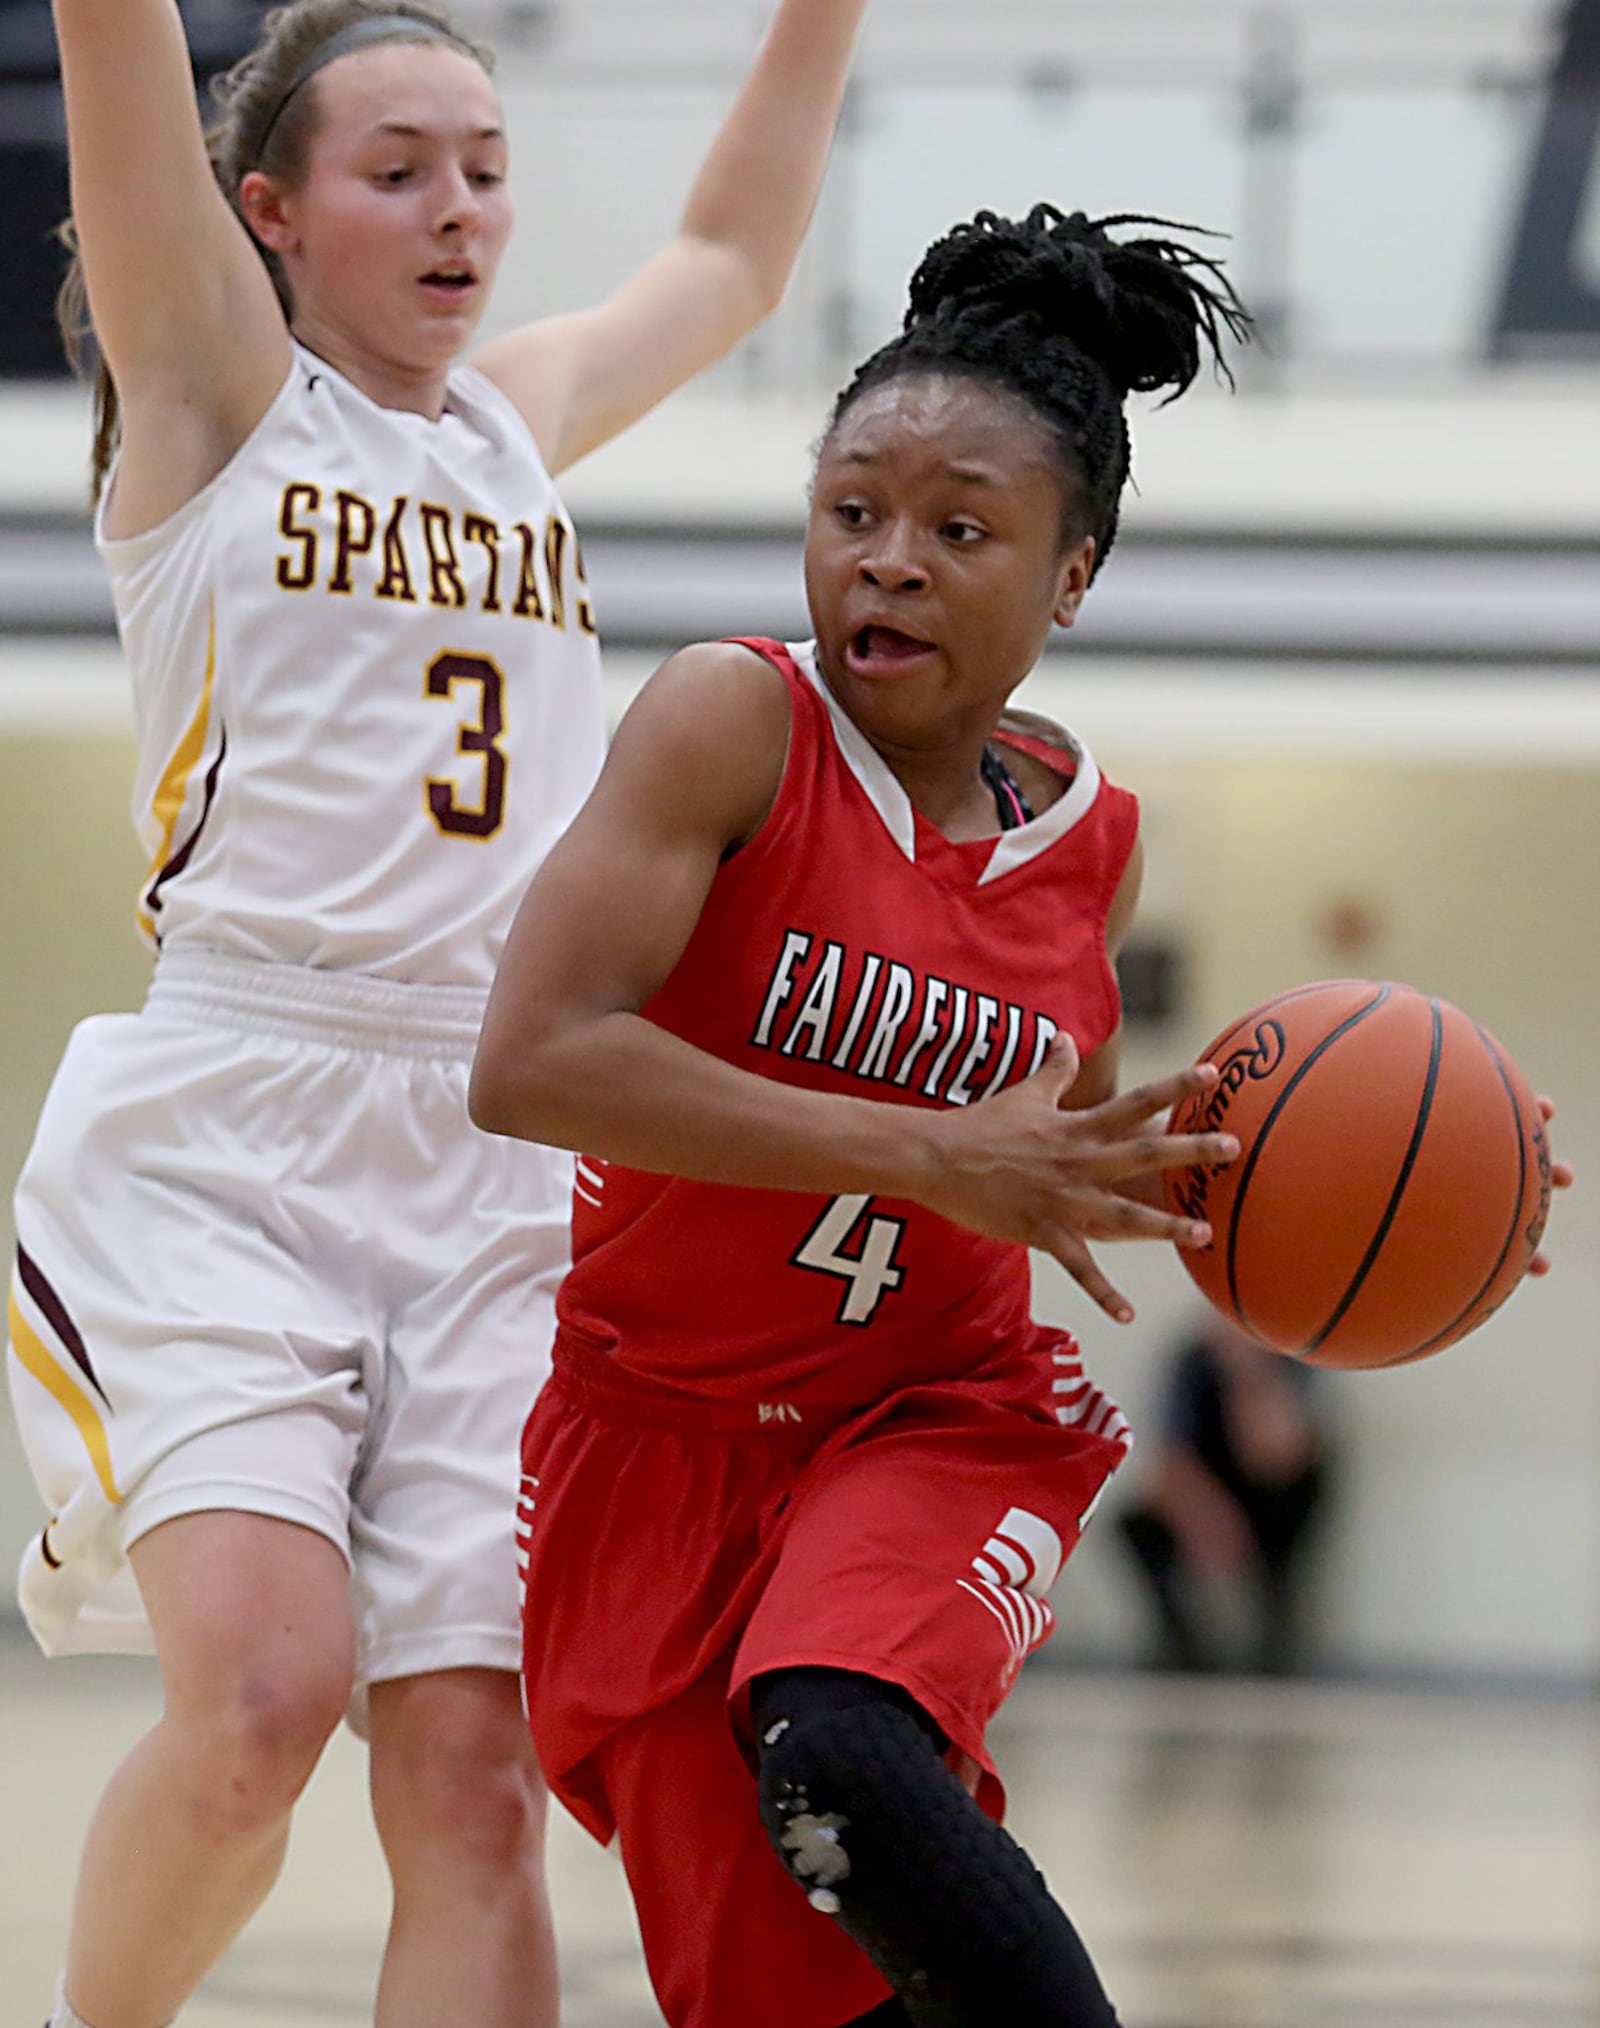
873	1825
827	1786
864	1812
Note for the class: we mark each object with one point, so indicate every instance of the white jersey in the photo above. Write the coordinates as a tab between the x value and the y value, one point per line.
366	683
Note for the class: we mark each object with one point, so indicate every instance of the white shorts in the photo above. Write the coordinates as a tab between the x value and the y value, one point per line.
265	1263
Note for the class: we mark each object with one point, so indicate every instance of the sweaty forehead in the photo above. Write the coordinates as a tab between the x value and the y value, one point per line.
939	421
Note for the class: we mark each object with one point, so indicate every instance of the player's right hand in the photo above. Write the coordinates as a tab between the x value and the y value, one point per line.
1023	1167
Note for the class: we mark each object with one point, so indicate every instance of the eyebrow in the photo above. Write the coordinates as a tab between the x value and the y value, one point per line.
405	131
967	475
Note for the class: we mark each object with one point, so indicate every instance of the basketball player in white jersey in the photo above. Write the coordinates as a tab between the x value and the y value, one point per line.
277	1310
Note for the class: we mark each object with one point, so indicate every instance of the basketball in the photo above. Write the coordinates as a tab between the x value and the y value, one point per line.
1392	1179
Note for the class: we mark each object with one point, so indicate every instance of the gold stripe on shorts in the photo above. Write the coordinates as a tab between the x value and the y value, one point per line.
35	1355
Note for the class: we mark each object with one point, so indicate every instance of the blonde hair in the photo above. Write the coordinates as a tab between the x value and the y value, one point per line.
266	119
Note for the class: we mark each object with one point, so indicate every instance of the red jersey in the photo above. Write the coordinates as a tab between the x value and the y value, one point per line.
850	947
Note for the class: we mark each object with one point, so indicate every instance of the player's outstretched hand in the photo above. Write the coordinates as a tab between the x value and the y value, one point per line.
1022	1167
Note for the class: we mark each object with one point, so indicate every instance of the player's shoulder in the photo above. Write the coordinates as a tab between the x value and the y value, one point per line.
745	666
711	726
712	692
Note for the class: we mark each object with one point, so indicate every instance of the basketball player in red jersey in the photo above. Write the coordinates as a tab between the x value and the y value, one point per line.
797	1494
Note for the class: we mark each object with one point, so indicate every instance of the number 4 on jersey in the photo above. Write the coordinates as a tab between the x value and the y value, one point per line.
869	1272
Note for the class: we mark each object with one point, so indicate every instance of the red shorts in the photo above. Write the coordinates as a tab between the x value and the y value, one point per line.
677	1549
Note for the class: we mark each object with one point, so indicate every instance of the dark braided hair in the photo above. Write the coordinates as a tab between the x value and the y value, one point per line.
1072	322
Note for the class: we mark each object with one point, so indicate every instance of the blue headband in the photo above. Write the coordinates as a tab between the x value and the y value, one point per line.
373	28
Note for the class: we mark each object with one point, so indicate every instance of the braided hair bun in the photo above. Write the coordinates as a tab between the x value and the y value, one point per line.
1072	321
1137	307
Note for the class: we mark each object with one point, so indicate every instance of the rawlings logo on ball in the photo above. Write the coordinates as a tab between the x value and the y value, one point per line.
1257	1060
1260	1060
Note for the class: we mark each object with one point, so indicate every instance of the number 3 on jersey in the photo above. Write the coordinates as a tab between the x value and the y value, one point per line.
869	1272
478	736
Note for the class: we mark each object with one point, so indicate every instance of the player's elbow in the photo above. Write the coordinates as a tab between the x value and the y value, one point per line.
769	285
745	275
489	1102
508	1093
766	284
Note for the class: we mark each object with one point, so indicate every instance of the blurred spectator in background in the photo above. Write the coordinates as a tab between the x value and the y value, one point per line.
1232	1502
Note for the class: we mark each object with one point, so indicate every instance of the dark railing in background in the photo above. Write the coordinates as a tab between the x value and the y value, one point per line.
33	168
1552	297
1292	99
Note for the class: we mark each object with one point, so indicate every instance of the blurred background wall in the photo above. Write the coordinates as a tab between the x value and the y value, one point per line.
1348	650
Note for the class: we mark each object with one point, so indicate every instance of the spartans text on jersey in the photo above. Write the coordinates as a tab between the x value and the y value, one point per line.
418	552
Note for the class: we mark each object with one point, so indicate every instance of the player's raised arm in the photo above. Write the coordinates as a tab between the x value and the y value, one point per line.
183	310
580	379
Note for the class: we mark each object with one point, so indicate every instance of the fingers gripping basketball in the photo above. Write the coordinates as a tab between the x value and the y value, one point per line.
1393	1179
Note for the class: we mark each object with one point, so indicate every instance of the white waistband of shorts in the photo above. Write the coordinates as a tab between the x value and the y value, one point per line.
344	1010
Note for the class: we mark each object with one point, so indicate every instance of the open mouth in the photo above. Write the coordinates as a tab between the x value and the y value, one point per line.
879	649
450	281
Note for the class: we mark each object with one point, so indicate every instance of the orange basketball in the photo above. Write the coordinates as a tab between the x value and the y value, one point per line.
1392	1179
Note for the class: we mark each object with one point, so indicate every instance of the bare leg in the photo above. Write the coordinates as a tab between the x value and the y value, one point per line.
253	1634
460	1809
